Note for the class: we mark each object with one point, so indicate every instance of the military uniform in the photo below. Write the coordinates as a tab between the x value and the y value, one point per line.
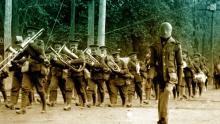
76	79
135	83
119	82
188	75
217	73
33	74
56	80
3	75
166	59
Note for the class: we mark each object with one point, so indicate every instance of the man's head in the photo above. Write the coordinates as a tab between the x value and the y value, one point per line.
31	31
74	45
57	46
165	30
197	57
103	51
94	49
116	55
133	56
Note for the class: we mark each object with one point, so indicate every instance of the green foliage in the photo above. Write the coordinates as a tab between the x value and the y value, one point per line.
131	25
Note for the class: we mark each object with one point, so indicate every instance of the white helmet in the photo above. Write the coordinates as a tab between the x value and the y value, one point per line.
165	30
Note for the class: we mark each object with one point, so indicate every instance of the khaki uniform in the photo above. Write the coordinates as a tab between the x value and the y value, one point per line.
119	83
3	75
56	81
135	83
34	75
76	79
166	60
97	74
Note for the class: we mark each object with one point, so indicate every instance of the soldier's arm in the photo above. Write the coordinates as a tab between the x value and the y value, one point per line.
80	60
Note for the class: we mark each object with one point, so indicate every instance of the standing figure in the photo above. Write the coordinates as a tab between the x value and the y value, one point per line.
136	83
76	78
119	81
166	59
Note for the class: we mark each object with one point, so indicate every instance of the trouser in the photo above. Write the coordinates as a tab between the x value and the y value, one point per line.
107	82
217	81
91	91
163	105
148	83
29	80
16	86
156	88
2	89
80	86
199	85
120	87
132	88
57	81
100	90
189	81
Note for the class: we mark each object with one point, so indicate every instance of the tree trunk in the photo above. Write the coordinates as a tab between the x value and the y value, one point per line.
101	26
15	20
91	21
7	24
72	21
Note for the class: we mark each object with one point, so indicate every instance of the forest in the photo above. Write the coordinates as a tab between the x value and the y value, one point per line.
131	25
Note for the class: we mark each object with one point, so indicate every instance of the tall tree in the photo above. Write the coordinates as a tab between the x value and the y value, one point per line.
15	19
91	21
101	25
72	20
7	23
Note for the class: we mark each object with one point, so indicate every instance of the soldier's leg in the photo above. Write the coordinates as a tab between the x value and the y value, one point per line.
200	86
189	85
91	92
61	83
130	92
156	88
37	80
148	83
138	89
101	92
82	90
163	105
108	88
194	88
114	91
69	89
26	89
123	93
53	90
16	86
2	89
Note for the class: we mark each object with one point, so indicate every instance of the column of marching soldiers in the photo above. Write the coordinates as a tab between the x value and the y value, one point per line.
88	74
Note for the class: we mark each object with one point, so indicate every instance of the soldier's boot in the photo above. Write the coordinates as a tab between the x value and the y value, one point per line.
101	99
43	100
68	101
147	95
5	97
24	101
52	98
94	98
130	97
89	99
13	101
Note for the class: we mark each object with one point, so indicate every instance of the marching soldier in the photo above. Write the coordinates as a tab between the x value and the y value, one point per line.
56	78
166	60
33	71
97	74
188	72
76	78
135	83
148	81
197	72
217	73
119	81
3	75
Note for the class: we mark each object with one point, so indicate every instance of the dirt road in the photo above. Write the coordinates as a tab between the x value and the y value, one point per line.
201	110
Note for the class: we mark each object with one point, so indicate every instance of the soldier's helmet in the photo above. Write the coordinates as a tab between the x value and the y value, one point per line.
165	30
